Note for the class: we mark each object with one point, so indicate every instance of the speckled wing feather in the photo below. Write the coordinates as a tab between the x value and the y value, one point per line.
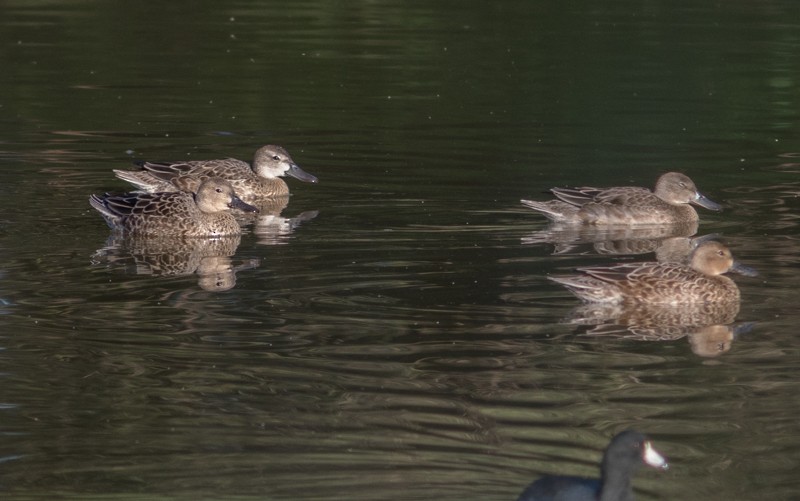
179	176
185	176
228	168
586	194
144	180
623	205
664	282
576	196
630	271
188	176
180	205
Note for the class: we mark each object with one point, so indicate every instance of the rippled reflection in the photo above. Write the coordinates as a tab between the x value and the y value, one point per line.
709	327
671	243
208	258
269	225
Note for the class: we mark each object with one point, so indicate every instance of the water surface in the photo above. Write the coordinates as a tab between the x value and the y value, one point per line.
392	333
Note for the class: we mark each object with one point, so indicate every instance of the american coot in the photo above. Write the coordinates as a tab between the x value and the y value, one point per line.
628	205
623	456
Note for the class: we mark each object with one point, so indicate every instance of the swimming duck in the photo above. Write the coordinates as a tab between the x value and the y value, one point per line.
177	213
629	205
623	456
251	183
662	283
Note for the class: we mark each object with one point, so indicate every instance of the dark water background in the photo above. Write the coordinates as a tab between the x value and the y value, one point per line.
399	338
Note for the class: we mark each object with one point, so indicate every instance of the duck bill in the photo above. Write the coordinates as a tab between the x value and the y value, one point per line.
697	241
743	270
743	328
704	201
296	172
651	457
237	203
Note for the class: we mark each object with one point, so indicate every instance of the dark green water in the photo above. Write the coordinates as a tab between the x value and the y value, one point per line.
393	334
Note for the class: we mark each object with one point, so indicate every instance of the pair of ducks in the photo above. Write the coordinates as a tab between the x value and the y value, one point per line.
194	198
699	281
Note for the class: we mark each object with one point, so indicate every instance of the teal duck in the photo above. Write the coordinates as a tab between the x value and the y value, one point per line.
661	283
628	205
252	183
174	214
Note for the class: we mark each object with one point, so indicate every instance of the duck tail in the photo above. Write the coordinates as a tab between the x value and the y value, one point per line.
554	210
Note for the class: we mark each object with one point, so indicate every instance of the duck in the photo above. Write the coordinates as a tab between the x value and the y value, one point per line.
700	281
626	452
627	205
253	183
175	213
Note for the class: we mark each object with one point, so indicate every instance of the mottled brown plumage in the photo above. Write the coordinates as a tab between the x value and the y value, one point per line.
251	183
205	214
628	205
661	283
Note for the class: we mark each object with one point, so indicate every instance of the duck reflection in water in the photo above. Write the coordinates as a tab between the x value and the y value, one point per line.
269	226
662	301
208	258
709	327
671	242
